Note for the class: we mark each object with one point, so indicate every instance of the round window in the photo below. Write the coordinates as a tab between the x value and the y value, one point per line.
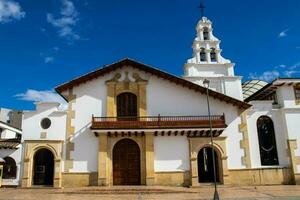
45	123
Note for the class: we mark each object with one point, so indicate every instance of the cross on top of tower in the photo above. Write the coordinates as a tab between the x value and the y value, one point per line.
201	7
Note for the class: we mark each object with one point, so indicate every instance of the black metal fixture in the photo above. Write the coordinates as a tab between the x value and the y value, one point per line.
206	84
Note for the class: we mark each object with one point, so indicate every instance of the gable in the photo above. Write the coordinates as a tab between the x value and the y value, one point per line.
150	70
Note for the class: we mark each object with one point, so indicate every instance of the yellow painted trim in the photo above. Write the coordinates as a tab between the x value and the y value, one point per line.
70	130
1	173
149	148
244	143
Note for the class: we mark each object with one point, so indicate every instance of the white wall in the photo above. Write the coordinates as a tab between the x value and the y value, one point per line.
31	125
90	100
164	98
8	134
286	97
171	153
207	70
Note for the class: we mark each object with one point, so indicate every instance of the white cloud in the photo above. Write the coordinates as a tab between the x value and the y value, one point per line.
10	10
296	65
66	22
280	70
267	75
42	96
49	59
283	33
290	73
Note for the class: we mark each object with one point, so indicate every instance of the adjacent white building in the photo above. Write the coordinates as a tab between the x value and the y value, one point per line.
11	154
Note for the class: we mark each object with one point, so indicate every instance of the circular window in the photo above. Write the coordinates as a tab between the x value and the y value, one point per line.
45	123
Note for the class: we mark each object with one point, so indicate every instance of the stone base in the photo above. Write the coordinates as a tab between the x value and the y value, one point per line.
261	176
172	178
297	179
79	179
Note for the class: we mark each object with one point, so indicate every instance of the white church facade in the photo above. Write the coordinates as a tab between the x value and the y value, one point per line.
132	124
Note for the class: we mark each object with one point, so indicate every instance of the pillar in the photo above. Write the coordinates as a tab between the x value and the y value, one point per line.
207	52
201	34
295	160
57	174
149	158
102	160
1	172
26	179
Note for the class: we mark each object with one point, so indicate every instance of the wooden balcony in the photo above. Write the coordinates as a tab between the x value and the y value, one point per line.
157	122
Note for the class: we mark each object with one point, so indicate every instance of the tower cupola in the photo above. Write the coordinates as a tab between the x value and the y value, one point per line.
208	63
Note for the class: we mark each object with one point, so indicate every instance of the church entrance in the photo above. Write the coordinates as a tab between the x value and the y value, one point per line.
205	166
126	163
43	167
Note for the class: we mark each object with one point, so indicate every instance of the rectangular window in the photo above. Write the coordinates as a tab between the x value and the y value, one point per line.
297	95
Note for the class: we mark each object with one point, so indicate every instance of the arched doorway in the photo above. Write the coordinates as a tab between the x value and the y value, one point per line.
126	105
9	168
126	163
205	166
43	167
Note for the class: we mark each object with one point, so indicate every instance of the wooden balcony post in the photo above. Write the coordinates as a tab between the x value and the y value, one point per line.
158	120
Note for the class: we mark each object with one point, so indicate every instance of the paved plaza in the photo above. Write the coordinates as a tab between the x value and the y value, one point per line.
290	192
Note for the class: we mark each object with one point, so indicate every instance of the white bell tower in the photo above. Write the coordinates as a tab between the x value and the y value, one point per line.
207	63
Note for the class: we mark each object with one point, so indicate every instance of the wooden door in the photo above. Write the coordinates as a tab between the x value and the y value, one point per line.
126	163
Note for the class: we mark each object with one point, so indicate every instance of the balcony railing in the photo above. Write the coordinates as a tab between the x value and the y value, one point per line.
155	122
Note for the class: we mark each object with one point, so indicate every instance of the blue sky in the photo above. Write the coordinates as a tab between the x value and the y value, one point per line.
45	43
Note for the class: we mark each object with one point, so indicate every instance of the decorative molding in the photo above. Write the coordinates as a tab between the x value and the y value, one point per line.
195	145
31	147
43	135
116	87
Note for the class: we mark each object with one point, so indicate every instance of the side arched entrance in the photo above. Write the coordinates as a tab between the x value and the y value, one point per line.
205	165
126	163
43	167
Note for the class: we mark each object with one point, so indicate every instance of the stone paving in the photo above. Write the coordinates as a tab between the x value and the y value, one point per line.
290	192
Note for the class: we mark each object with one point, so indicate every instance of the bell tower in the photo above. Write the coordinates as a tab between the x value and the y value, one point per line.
208	63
